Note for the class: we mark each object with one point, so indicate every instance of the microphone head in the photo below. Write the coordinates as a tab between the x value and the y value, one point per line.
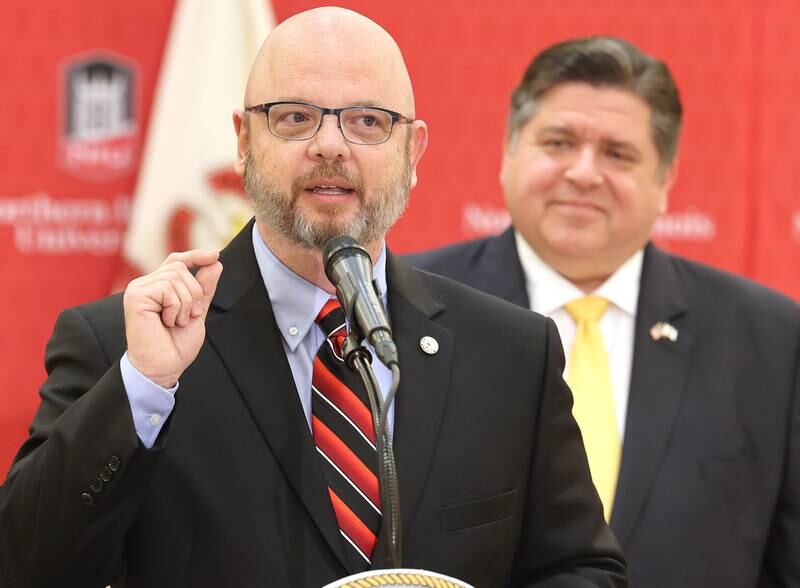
338	247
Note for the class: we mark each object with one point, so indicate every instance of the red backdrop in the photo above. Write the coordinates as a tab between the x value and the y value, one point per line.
735	205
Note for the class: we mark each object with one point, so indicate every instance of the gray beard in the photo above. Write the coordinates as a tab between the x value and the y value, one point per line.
274	210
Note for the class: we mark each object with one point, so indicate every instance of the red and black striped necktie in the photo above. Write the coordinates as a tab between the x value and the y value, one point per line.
344	434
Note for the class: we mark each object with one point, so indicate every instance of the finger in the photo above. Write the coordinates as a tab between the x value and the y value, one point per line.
166	292
194	258
194	308
186	300
208	277
170	302
171	296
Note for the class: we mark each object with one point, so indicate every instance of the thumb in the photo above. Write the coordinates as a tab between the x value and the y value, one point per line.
208	278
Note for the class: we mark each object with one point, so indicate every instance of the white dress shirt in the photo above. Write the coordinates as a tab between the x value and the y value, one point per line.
549	291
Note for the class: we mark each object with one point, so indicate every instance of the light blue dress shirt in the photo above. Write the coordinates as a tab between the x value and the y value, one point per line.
296	303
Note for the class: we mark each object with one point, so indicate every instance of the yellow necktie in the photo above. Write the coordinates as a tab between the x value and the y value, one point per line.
590	380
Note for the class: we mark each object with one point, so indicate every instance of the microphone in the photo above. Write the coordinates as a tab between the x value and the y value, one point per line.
349	268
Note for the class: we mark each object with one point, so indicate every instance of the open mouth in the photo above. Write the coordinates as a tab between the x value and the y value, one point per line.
334	187
330	190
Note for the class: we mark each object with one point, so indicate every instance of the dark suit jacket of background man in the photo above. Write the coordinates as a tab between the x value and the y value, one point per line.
709	487
233	494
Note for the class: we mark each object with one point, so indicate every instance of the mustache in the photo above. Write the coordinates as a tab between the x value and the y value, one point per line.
328	170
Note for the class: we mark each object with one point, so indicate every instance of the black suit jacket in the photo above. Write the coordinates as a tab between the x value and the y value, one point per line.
493	477
709	484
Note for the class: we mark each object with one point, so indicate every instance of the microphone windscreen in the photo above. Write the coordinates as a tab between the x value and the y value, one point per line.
338	247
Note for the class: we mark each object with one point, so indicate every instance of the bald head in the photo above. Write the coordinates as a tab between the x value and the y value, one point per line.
331	57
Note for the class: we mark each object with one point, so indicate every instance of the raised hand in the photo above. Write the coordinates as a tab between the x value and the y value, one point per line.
165	313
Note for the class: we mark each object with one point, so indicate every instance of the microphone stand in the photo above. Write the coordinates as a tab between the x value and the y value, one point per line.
359	360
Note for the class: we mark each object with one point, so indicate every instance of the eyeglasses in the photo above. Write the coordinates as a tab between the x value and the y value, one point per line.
299	121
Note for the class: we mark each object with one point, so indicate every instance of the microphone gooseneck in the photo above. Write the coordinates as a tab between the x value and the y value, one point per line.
349	268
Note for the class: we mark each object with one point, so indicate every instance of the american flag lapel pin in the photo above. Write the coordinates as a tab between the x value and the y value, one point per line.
663	330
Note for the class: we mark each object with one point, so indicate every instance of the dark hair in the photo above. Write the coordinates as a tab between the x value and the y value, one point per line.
603	61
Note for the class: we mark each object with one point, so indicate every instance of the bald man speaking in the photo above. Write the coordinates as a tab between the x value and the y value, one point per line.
198	431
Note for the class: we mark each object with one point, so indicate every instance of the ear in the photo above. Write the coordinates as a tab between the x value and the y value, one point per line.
508	155
240	126
668	178
419	143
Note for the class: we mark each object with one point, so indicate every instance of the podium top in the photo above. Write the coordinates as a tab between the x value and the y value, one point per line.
399	578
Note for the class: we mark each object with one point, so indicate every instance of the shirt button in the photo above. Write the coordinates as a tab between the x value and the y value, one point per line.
105	474
293	331
155	420
87	499
114	463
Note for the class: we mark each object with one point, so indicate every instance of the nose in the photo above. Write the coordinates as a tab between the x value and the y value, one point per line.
329	143
583	171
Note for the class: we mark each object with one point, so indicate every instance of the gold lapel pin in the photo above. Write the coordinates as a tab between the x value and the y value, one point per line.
663	330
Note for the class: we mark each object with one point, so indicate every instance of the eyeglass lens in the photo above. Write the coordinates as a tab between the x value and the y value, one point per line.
359	125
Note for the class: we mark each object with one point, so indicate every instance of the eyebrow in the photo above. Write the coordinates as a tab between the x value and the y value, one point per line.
556	129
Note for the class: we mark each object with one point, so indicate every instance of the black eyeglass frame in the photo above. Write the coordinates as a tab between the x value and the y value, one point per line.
396	118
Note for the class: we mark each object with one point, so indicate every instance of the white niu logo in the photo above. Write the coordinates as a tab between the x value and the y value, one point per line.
481	219
688	225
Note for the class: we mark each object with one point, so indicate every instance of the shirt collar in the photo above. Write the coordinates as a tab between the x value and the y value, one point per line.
548	290
296	302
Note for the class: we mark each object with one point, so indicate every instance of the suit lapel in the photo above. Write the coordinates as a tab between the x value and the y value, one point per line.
499	272
422	396
656	389
242	330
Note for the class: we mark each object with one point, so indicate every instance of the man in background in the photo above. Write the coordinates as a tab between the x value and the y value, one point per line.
685	378
260	470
